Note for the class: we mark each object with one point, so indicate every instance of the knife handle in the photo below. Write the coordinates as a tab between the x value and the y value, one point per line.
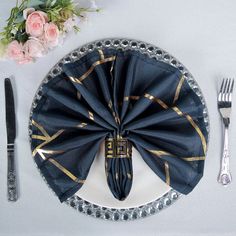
11	175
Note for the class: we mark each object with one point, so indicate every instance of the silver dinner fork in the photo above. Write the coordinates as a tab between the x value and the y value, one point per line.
224	106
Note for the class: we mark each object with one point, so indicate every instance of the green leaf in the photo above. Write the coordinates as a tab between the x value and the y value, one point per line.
63	3
2	48
4	42
19	18
13	13
36	3
21	36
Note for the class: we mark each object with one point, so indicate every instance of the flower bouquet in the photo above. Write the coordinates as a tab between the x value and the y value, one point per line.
36	26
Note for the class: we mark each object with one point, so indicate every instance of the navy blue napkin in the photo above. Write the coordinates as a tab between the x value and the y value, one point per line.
120	99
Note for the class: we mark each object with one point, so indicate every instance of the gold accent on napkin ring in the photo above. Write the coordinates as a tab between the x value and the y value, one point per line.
118	148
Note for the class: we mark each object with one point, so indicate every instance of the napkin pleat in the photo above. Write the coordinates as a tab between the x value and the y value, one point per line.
150	95
119	176
124	77
67	121
74	106
181	173
170	140
165	119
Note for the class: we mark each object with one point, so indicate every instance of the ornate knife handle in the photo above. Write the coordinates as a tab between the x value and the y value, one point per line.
11	175
225	176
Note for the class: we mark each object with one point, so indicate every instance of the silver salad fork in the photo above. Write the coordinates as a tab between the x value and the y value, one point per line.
224	106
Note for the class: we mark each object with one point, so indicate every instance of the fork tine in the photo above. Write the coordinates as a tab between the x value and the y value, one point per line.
225	85
222	85
230	91
225	90
228	86
232	87
220	96
227	93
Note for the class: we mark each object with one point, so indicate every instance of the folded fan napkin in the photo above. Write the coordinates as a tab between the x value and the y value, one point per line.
121	99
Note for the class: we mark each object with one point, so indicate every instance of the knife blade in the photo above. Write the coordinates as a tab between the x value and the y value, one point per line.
11	135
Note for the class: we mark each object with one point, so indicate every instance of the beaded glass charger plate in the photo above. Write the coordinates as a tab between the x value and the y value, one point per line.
149	194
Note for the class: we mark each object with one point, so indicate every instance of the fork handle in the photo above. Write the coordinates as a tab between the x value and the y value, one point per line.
225	176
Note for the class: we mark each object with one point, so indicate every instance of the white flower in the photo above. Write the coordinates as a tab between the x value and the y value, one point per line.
27	11
70	23
93	5
53	2
61	39
77	19
14	31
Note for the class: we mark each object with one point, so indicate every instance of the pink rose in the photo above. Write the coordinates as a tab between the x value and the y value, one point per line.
33	48
15	51
27	12
51	34
35	23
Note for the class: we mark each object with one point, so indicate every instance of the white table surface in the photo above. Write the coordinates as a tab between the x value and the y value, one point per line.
202	35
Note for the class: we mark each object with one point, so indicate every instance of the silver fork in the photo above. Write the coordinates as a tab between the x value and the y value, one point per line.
224	106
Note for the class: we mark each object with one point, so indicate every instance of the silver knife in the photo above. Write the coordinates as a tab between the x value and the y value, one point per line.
11	135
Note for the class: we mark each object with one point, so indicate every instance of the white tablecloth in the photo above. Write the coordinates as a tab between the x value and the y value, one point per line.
202	35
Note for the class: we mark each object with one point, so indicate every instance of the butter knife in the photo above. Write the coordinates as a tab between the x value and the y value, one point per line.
11	135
